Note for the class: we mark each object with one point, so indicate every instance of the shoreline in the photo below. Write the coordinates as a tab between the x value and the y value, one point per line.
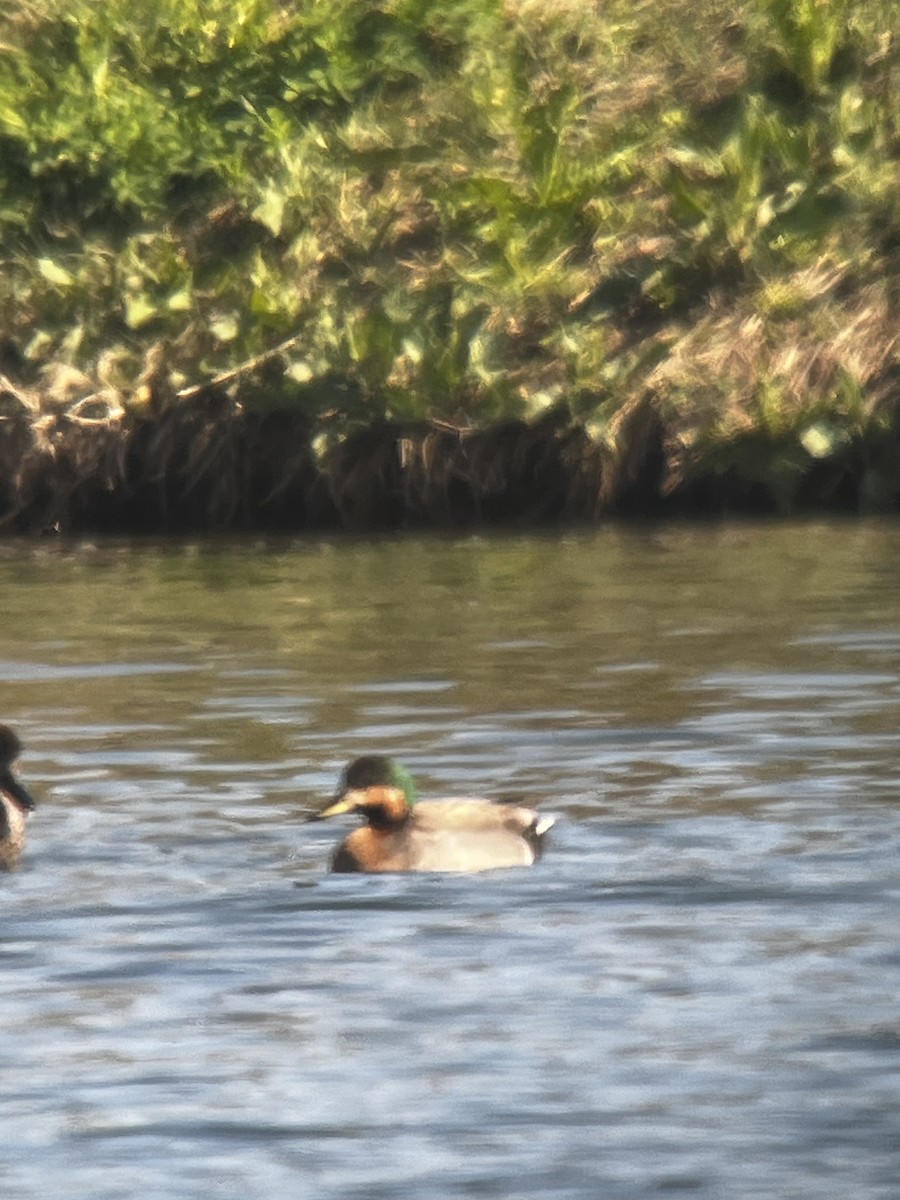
206	465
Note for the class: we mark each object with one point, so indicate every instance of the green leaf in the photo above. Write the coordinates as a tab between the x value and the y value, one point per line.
54	273
139	310
225	327
300	372
270	210
181	300
822	439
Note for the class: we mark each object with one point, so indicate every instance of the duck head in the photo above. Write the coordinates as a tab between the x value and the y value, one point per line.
379	789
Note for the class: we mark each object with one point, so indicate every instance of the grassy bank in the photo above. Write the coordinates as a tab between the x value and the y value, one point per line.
474	245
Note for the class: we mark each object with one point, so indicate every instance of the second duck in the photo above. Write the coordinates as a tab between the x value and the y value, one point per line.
16	802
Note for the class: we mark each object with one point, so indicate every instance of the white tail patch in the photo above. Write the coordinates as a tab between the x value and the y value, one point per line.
542	824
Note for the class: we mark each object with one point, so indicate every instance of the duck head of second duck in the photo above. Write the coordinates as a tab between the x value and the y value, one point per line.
401	834
16	802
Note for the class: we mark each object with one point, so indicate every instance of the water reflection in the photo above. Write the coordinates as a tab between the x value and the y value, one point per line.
694	991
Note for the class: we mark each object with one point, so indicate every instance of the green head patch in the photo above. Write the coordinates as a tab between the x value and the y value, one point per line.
375	770
402	779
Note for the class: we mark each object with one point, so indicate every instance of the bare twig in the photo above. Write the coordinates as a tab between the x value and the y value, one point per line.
243	368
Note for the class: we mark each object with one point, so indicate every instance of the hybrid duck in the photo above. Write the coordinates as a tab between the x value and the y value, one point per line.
403	834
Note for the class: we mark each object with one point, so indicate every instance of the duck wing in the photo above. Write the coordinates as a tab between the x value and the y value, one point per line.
471	834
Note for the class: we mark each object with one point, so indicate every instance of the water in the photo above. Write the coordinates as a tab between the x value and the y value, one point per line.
695	993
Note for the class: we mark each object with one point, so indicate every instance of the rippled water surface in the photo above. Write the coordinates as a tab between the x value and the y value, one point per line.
694	994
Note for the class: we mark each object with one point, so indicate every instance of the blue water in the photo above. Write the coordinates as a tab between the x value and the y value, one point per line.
695	993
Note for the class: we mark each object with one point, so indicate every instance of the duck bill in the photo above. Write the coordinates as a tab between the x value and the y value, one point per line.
17	792
349	802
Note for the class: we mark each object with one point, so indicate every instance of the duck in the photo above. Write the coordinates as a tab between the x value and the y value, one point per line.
402	833
16	802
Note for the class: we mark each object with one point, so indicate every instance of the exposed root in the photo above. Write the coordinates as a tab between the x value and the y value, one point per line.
205	464
435	474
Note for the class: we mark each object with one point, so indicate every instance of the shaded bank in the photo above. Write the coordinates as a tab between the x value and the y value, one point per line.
205	464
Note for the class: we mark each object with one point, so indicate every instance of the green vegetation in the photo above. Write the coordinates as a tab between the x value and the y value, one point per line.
476	211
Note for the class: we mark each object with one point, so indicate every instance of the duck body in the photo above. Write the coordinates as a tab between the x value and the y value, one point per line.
16	802
462	834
